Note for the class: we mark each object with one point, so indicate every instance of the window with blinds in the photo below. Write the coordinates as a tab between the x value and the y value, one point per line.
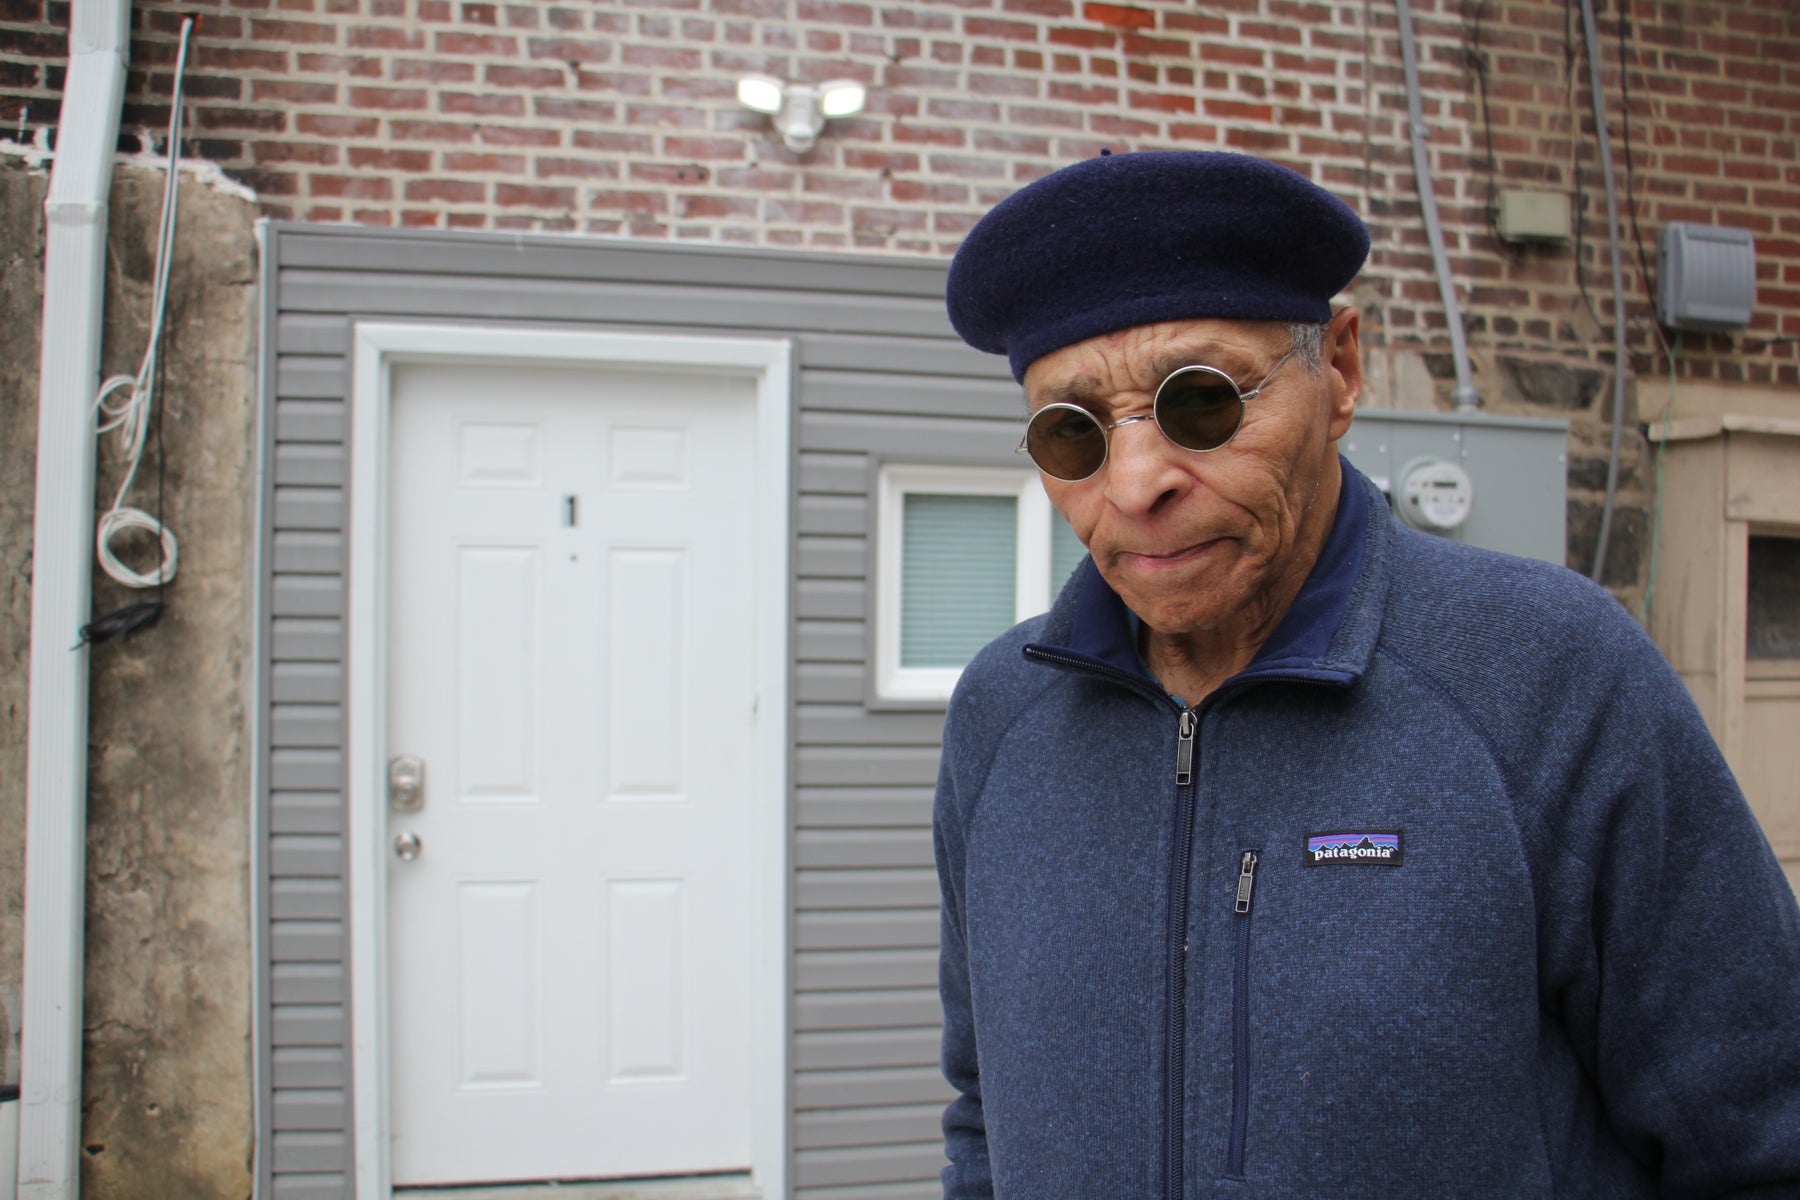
964	553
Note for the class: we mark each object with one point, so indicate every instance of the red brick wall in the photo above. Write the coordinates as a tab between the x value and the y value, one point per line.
617	117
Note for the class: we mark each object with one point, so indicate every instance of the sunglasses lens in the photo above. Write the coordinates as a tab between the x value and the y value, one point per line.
1199	408
1065	442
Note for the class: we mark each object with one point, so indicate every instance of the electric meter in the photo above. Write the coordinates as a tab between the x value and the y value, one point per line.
1434	495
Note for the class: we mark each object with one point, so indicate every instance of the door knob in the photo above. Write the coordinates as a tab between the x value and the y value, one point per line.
406	846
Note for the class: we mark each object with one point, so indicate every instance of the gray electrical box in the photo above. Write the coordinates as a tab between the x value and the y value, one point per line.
1494	481
1705	276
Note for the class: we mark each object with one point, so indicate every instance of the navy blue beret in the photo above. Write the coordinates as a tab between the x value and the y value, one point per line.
1131	239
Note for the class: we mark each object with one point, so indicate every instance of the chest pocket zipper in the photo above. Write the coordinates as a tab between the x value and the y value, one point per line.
1240	1018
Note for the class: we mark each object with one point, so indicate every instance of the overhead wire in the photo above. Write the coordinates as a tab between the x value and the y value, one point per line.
127	404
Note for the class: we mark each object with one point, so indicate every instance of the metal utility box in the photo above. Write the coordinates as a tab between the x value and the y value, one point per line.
1705	276
1493	481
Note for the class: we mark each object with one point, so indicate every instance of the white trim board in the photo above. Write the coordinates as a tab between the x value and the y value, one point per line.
377	348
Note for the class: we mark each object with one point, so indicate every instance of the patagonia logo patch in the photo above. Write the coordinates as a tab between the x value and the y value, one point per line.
1382	848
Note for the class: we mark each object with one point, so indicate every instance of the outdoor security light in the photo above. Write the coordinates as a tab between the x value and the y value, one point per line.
800	110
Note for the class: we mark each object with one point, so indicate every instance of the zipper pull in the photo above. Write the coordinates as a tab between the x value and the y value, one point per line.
1184	749
1246	881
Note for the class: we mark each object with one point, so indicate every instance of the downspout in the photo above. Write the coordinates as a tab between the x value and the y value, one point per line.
87	135
1464	395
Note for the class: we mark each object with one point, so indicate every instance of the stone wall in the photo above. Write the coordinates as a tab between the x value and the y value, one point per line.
168	1050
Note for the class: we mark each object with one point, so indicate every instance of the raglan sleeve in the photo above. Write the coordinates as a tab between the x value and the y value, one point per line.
1671	946
967	1177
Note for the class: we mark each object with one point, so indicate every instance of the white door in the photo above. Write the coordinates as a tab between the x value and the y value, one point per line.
570	657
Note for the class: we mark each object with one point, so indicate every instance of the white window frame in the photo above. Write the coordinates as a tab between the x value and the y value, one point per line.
1031	581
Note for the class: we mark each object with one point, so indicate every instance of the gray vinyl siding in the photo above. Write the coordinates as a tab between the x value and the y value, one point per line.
879	378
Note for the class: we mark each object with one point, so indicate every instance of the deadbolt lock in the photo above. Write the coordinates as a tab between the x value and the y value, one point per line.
406	783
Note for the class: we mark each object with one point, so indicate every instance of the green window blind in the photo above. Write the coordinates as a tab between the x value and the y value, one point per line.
957	567
1066	551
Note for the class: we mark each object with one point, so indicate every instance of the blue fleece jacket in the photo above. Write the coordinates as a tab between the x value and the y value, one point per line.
1448	894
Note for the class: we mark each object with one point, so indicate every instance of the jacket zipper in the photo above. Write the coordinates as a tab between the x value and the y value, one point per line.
1175	1069
1240	1020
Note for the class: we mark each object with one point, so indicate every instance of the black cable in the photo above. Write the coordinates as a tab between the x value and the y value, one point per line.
1477	61
1637	235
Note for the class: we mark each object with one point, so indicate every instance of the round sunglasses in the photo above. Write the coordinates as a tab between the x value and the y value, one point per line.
1198	408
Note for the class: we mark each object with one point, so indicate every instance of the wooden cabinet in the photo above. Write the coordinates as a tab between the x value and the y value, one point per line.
1725	605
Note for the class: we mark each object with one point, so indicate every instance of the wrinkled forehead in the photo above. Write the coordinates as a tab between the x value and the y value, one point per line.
1138	359
1128	240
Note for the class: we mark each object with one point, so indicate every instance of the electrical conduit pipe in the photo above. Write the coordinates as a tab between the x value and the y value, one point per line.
1464	395
87	135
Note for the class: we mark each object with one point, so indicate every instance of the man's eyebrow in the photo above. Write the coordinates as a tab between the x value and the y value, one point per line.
1230	360
1080	391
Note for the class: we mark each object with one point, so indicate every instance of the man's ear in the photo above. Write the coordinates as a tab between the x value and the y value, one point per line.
1342	355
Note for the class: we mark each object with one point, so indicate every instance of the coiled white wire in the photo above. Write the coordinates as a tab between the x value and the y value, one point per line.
130	412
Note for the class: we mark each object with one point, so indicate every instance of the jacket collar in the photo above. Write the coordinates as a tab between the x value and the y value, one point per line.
1327	635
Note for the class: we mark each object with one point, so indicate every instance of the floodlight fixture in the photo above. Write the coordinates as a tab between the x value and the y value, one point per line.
799	110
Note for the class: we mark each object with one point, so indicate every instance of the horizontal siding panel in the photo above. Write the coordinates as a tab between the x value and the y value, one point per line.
912	439
311	464
489	298
306	899
306	812
311	1108
837	766
847	474
865	807
307	724
874	929
311	1152
557	257
309	983
868	1164
306	854
309	1067
312	552
844	725
913	887
311	1187
879	1086
915	396
829	683
306	638
320	508
820	556
902	356
901	1008
309	1025
307	941
925	1189
841	969
308	596
841	515
306	333
826	849
914	1123
830	599
312	377
864	1049
306	683
830	641
311	420
312	770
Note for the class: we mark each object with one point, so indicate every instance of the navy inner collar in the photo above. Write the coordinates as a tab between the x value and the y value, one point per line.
1104	629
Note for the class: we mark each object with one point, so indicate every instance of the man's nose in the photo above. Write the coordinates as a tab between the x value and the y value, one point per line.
1143	468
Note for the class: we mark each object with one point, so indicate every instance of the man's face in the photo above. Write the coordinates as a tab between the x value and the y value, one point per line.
1213	542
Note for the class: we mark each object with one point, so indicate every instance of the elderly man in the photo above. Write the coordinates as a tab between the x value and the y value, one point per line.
1295	853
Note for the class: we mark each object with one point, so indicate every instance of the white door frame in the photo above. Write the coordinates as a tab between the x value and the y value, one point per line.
378	347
